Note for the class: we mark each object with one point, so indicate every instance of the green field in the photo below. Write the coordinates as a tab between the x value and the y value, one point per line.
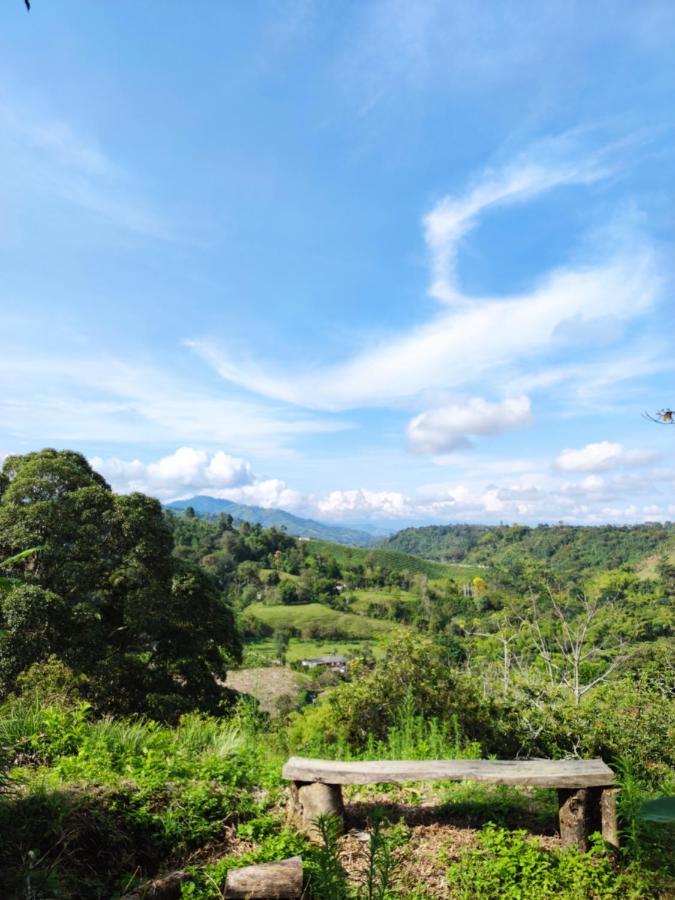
395	560
303	648
383	596
310	617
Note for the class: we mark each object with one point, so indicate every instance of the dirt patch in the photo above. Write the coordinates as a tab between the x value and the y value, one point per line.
268	685
438	836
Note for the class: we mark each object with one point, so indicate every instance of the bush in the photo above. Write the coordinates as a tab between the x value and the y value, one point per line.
509	865
366	708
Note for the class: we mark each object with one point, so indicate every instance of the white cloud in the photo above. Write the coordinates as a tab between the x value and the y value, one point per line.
55	159
271	492
364	503
189	472
600	456
542	168
474	337
186	472
448	427
67	397
476	496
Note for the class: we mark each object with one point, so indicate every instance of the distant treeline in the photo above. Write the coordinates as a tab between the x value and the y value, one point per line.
565	548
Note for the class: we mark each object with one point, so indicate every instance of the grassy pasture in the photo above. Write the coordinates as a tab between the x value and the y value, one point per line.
304	648
308	617
395	560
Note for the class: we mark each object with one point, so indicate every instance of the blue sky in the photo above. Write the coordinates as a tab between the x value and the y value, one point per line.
382	261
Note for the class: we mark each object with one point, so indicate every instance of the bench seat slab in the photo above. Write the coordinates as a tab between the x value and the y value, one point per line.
546	773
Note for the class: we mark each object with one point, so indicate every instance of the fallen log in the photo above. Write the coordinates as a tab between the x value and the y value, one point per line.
167	888
266	881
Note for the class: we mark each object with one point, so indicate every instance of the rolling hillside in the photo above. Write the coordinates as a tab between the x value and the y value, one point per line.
314	620
274	518
394	559
566	548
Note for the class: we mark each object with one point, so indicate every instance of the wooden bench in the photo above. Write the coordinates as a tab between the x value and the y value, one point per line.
586	790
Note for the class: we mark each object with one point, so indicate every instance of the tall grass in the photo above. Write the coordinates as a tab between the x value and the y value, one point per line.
410	736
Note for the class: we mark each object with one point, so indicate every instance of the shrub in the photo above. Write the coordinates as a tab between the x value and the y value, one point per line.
509	865
365	709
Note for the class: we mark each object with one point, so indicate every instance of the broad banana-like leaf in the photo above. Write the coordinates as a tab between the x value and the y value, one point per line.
660	810
19	556
7	583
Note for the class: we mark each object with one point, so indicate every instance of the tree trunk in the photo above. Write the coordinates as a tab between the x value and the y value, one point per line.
610	825
573	811
267	881
310	800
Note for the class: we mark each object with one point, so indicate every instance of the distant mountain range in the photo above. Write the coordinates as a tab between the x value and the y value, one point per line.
276	518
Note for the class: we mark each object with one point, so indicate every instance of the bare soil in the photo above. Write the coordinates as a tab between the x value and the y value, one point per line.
268	685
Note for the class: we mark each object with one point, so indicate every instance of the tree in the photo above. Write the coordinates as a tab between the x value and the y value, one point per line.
35	624
149	633
282	638
571	654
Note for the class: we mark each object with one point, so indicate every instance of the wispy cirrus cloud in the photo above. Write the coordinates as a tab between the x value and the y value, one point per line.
476	336
54	159
75	397
601	456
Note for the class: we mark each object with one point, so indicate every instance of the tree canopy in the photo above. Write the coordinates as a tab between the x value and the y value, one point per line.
149	632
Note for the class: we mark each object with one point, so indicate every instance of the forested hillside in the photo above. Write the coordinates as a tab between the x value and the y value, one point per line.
127	755
212	507
565	548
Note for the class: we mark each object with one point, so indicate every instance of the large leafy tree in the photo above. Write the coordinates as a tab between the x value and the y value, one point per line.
104	593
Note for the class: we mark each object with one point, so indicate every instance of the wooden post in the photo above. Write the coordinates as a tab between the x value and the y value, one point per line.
272	881
310	800
610	824
573	812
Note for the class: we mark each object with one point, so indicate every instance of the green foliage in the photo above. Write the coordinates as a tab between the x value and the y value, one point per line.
662	809
512	866
126	794
104	594
384	559
384	839
35	624
566	549
328	878
416	672
6	583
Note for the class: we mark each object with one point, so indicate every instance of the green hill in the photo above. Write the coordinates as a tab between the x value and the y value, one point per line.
565	548
314	620
211	507
391	558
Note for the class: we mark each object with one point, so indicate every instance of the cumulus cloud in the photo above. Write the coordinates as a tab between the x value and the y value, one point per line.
451	426
478	495
270	492
600	456
183	473
364	503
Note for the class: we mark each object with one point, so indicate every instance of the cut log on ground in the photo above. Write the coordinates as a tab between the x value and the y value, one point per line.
168	887
267	881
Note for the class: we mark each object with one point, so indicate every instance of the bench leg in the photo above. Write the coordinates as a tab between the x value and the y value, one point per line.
309	800
610	824
573	808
